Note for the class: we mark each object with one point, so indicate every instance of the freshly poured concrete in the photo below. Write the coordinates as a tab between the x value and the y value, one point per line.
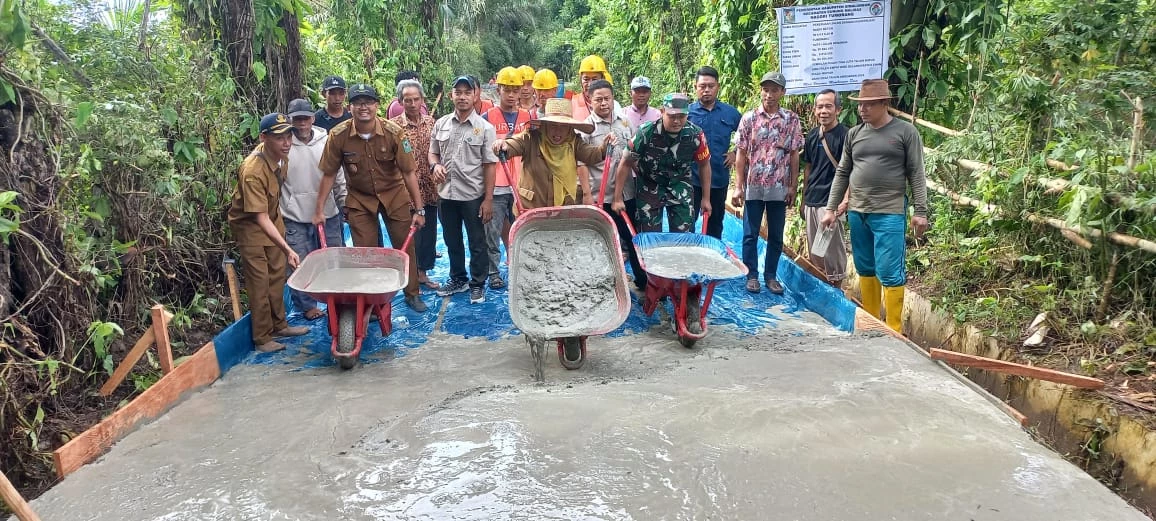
801	423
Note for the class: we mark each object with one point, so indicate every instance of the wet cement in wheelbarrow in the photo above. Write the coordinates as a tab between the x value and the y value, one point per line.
821	427
370	281
680	262
565	281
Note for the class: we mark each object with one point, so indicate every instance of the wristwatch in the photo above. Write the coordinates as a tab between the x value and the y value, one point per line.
420	212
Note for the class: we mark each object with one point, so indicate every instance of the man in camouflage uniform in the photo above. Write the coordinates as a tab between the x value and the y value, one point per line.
664	152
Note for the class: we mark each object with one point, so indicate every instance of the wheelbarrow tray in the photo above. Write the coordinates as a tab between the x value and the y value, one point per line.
704	243
325	259
609	250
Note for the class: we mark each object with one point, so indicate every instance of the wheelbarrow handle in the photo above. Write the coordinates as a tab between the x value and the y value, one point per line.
629	226
605	175
321	235
409	237
503	158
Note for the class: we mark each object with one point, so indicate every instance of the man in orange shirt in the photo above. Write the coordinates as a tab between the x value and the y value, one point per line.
507	120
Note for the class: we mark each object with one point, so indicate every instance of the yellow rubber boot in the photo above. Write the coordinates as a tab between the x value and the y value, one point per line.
893	303
870	291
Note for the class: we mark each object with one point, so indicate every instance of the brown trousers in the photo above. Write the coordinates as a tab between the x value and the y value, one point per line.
394	210
834	265
264	269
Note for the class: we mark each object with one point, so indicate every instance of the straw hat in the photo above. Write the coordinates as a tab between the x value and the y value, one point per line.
872	90
558	110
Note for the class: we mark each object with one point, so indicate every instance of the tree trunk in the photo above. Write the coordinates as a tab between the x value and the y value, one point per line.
286	73
237	22
143	45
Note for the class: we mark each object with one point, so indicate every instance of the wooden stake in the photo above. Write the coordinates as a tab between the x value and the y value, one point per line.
15	501
160	329
132	357
1001	366
234	290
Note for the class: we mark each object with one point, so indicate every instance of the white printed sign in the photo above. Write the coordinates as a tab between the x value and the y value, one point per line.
833	46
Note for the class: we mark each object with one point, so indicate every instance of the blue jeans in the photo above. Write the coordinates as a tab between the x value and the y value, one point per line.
302	237
878	247
776	212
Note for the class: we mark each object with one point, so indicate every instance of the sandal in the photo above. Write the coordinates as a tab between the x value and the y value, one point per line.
314	314
753	285
430	284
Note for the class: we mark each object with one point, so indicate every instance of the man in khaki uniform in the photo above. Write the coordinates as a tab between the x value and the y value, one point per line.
255	218
381	180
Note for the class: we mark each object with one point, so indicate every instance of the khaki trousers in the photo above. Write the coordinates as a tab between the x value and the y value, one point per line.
394	210
264	269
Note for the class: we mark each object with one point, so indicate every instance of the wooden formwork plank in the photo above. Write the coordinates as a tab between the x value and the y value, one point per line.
197	371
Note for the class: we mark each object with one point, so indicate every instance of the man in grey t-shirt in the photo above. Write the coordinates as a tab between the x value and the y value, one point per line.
881	158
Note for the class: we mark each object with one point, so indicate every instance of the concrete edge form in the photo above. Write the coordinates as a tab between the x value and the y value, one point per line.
199	370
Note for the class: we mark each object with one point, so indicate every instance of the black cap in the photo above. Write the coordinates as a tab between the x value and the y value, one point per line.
275	123
362	90
463	79
332	82
299	107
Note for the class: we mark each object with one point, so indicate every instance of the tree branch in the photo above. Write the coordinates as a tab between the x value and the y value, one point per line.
61	56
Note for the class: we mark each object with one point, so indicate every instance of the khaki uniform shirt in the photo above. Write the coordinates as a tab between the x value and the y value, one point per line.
373	166
258	191
463	148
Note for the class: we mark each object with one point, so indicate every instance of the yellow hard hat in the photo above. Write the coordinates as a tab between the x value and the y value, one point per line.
545	79
527	73
594	63
509	76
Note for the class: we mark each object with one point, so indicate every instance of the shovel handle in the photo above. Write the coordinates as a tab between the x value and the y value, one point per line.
705	218
321	235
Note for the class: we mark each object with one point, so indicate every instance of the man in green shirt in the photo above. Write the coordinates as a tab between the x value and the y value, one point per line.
882	157
664	151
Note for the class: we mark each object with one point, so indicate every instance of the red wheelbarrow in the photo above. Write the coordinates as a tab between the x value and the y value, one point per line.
592	267
682	281
353	282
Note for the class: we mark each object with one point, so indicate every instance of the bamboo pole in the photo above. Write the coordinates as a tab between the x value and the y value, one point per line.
1115	237
15	501
1135	152
938	128
1071	234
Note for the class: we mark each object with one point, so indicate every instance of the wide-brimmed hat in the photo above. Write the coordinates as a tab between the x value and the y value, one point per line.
559	110
872	90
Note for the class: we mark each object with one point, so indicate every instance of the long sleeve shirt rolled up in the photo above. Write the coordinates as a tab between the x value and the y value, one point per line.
877	166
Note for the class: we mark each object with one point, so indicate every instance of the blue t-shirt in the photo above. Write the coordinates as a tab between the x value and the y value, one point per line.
719	124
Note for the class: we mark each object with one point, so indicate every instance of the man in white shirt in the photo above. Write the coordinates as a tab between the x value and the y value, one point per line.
299	196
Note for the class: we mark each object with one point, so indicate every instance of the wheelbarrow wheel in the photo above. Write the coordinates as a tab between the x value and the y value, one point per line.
346	336
572	352
686	341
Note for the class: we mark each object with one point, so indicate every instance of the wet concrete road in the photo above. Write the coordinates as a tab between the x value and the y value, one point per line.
799	423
